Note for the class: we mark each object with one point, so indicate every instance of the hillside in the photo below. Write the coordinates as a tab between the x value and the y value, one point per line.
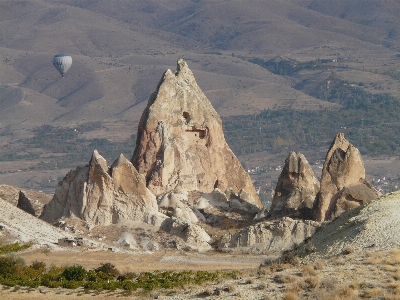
120	50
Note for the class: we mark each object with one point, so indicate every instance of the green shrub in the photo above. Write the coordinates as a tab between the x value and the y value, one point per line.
74	273
9	248
72	284
13	272
11	266
108	269
38	265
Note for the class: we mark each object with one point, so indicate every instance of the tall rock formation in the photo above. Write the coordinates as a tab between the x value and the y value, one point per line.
343	183
180	143
296	189
102	196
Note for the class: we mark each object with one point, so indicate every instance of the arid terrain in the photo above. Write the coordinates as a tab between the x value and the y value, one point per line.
157	170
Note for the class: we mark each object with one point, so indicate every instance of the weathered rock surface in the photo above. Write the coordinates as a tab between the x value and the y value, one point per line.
190	233
269	236
180	143
177	206
25	204
102	196
296	188
225	200
343	183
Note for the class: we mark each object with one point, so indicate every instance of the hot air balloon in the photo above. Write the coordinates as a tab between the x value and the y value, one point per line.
62	62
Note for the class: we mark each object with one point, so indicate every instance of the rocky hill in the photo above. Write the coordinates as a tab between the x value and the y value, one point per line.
369	227
181	157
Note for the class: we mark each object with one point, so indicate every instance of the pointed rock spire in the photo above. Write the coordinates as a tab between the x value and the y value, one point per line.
180	142
343	183
296	188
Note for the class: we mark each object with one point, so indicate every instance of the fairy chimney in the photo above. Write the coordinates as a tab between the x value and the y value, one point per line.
296	188
181	145
102	195
343	183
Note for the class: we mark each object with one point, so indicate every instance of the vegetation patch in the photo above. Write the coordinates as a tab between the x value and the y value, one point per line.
9	248
14	273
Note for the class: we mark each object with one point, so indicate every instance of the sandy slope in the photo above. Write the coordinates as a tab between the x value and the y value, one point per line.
26	227
375	227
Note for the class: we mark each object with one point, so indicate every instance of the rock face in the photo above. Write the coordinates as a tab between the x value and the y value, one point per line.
101	195
180	143
25	204
296	189
177	206
227	200
343	184
267	237
190	233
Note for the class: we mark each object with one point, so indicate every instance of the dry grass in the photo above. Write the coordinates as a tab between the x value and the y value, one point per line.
373	292
308	270
291	295
394	287
348	292
393	258
319	264
289	278
338	261
312	281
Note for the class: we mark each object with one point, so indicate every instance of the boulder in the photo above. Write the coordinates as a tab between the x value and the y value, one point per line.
101	195
296	188
181	145
343	183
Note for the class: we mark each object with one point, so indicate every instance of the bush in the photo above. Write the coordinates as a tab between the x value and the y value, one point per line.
74	273
72	284
38	265
14	247
106	271
13	272
11	266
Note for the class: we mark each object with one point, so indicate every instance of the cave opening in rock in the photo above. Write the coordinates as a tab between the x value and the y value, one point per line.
186	116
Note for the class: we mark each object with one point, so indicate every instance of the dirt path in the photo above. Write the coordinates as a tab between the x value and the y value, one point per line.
162	260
